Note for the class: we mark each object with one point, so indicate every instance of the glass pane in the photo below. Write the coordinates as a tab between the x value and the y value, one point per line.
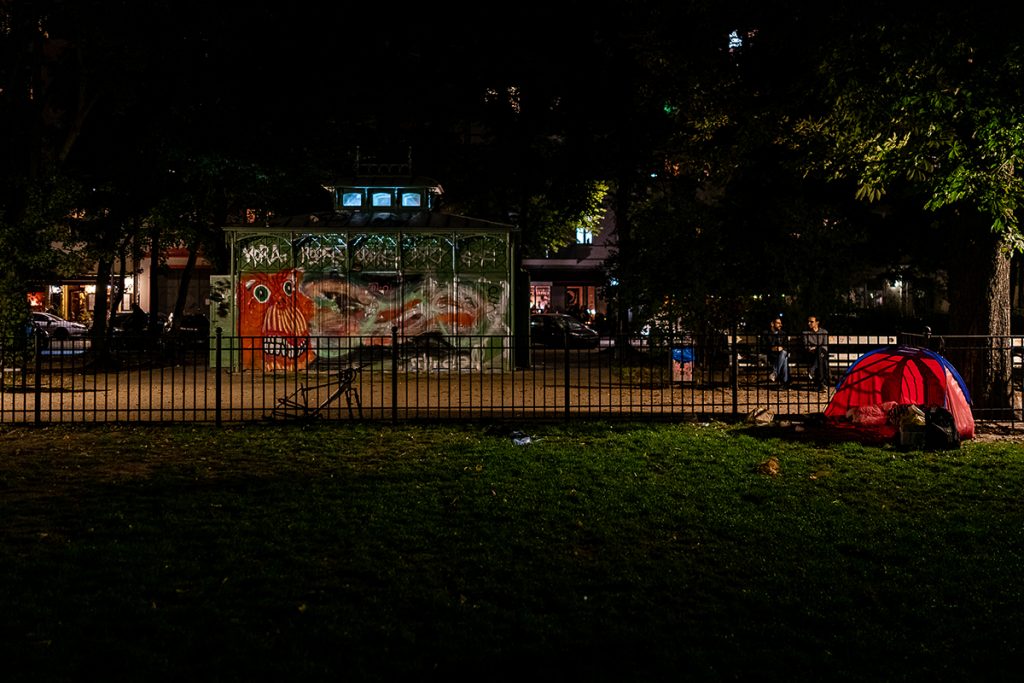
352	199
411	199
382	199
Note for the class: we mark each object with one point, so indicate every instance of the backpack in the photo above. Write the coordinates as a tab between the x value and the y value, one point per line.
940	432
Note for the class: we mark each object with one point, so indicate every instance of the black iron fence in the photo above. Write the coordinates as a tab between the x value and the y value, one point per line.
243	379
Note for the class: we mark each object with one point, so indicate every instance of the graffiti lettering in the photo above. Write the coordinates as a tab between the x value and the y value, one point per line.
316	255
428	254
481	255
263	255
374	261
494	294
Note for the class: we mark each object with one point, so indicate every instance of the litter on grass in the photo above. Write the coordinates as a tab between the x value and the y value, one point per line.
521	438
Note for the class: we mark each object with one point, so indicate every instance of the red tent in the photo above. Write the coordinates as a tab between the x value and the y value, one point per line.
901	375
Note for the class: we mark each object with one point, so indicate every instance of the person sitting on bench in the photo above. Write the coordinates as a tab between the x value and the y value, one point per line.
775	343
815	340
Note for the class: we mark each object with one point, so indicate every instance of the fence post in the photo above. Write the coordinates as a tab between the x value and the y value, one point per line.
734	383
394	375
217	377
38	377
565	370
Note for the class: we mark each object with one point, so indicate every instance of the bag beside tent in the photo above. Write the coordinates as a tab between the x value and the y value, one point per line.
940	430
901	375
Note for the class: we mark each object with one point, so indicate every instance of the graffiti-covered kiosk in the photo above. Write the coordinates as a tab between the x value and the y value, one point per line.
318	290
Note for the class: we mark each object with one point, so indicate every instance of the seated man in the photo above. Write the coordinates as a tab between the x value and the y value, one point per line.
816	351
775	343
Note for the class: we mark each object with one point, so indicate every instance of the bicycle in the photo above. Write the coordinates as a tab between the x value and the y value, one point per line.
296	405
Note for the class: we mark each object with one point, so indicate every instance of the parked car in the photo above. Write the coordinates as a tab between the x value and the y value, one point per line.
553	330
129	331
193	330
55	327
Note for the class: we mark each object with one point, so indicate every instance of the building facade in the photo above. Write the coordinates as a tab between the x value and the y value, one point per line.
330	288
573	279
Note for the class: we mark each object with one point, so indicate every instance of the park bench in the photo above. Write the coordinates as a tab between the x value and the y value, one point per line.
844	349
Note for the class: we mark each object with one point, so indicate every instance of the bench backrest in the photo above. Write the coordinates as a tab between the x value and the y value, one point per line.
868	341
843	349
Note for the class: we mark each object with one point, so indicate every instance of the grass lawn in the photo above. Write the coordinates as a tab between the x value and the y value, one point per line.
613	552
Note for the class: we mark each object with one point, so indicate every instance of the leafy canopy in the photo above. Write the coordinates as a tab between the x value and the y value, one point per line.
937	112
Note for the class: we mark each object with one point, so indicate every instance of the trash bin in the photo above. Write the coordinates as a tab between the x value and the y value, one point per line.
682	363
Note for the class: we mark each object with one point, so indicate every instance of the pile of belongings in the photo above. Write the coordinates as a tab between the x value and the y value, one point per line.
915	426
887	412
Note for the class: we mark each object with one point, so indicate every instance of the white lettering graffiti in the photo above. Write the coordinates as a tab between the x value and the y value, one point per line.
426	253
480	256
316	255
371	259
263	254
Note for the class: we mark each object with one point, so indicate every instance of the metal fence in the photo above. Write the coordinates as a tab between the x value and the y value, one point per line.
228	379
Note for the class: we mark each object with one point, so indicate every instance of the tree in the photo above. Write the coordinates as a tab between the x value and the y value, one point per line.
928	105
100	100
718	221
74	109
38	120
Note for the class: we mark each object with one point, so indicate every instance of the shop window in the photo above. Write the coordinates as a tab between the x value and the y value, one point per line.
540	297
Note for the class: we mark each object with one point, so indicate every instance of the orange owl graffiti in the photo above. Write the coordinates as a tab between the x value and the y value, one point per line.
274	321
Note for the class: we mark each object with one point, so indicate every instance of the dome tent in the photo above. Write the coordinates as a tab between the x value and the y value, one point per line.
899	375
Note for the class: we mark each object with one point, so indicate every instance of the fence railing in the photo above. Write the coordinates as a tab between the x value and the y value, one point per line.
240	379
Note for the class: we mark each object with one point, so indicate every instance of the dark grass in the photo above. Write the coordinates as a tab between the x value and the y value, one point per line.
597	552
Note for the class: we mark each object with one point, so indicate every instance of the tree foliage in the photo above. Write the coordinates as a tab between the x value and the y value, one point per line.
723	224
927	106
937	112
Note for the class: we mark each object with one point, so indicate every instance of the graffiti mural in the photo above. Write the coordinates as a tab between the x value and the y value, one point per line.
337	297
372	305
274	321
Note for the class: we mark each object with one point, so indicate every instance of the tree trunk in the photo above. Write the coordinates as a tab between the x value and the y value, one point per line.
99	335
979	296
154	284
183	286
